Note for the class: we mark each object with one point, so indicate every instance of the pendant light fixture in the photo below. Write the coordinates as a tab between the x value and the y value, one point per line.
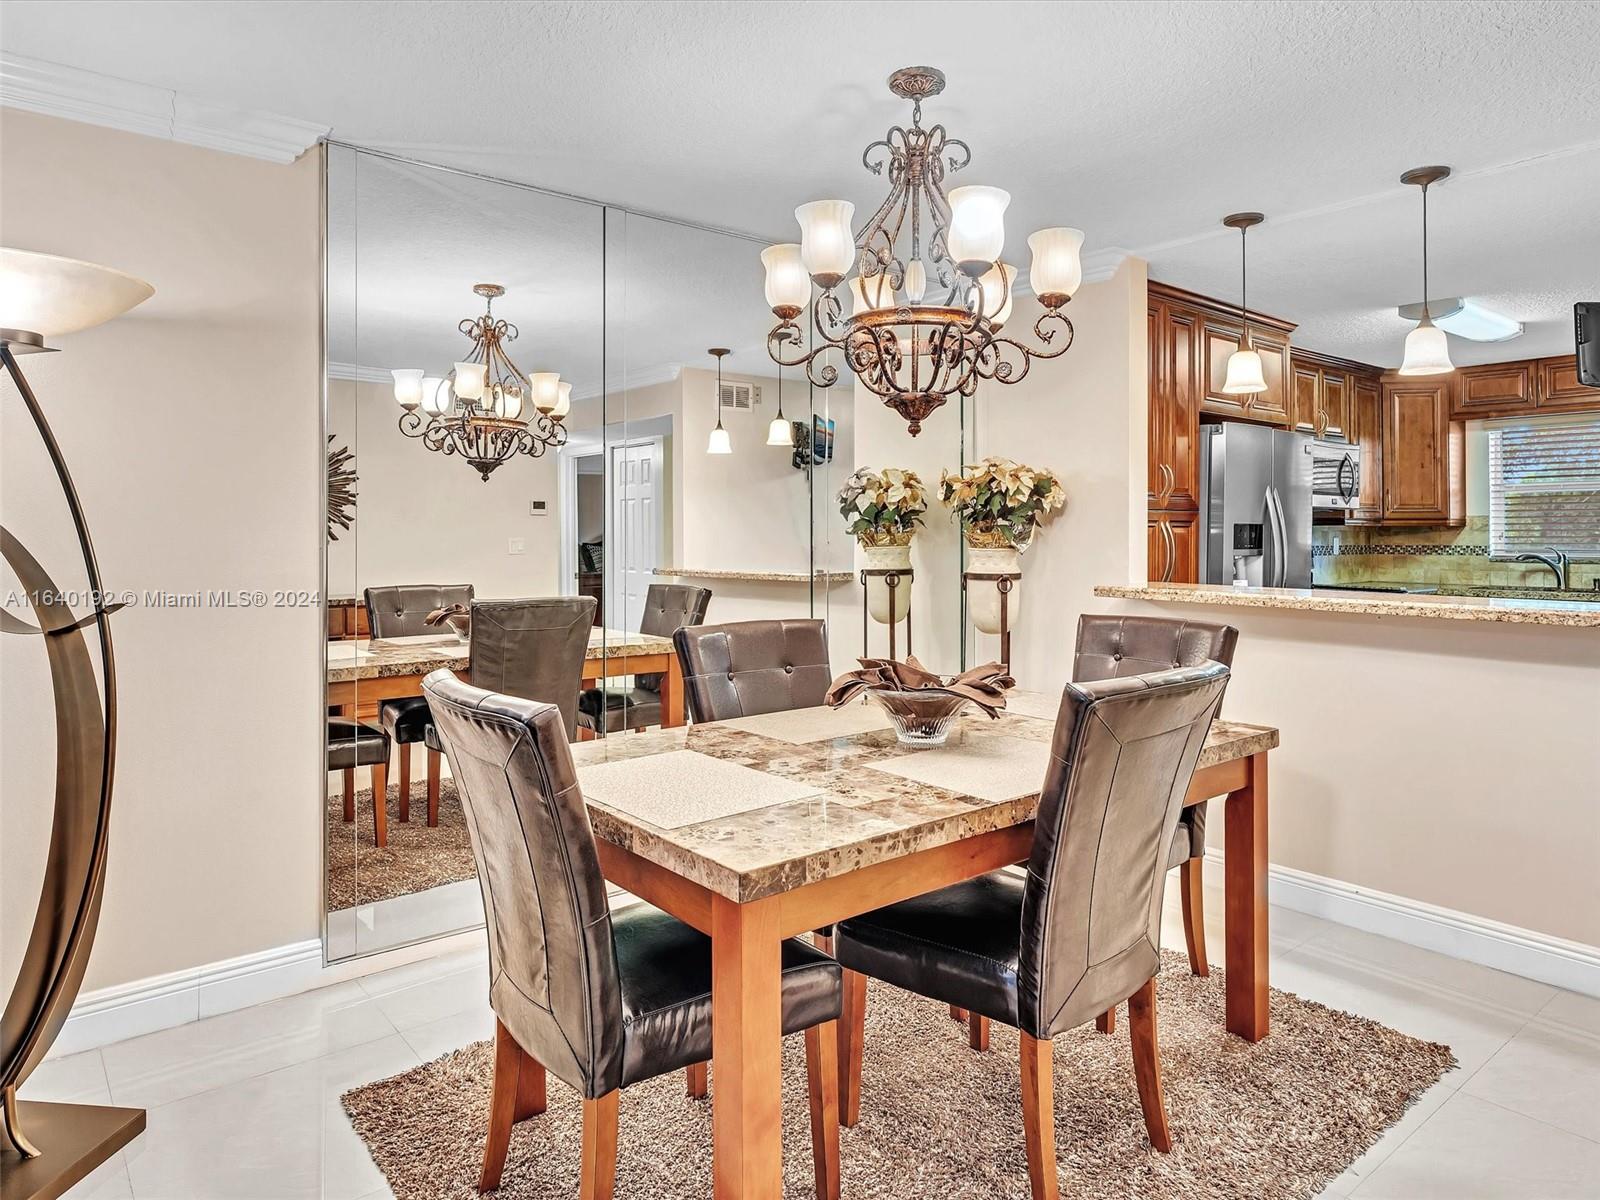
780	432
1244	364
1427	348
719	442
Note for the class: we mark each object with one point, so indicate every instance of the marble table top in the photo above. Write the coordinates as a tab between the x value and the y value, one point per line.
388	657
859	816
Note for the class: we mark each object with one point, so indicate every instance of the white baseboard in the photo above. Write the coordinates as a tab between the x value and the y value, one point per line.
1556	961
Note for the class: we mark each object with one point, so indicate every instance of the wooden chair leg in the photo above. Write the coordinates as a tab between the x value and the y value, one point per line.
349	795
433	788
380	803
531	1098
598	1180
508	1058
822	1076
695	1081
1039	1118
825	944
1192	889
978	1032
958	1014
404	777
852	1035
1147	1064
1106	1022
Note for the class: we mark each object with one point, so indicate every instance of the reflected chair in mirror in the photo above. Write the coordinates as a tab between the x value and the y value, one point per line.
668	607
599	999
533	649
402	611
352	744
1081	931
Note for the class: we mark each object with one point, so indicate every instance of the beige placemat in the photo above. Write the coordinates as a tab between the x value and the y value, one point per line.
1033	704
683	787
1000	767
798	726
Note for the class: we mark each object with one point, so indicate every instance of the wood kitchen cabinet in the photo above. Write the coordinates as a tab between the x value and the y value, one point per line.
1322	396
1221	339
1173	459
1521	389
1174	547
1424	466
1558	386
1366	432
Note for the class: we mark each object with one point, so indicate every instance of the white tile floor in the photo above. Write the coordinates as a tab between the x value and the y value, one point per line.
246	1105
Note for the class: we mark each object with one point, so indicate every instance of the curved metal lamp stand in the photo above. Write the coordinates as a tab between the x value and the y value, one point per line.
63	932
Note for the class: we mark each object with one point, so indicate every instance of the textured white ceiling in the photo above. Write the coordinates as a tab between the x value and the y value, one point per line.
1141	123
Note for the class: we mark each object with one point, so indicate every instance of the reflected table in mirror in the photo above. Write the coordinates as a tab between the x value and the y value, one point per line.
874	822
364	672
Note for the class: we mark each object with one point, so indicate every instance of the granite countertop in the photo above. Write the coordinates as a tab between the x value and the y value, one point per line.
859	816
1379	604
352	659
758	576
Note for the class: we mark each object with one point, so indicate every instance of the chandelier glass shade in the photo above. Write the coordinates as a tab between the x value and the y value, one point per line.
486	410
929	294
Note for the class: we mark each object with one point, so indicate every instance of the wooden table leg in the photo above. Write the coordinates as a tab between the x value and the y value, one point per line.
747	1042
672	695
1245	904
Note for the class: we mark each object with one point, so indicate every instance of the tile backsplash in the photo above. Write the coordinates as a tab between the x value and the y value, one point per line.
1358	554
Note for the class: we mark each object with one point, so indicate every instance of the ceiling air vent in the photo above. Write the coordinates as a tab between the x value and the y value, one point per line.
743	396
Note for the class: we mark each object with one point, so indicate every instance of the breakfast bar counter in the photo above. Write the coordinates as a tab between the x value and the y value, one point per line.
1577	613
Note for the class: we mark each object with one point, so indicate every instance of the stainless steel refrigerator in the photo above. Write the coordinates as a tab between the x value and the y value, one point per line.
1255	500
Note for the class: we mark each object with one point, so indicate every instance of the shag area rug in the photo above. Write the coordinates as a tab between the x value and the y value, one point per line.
1275	1120
417	858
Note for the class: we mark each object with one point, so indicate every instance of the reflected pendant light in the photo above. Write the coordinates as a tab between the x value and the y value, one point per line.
719	442
1244	364
780	432
1427	349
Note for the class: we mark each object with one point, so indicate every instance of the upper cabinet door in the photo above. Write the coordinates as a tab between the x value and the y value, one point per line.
1559	386
1334	423
1366	431
1221	339
1423	465
1501	389
1307	398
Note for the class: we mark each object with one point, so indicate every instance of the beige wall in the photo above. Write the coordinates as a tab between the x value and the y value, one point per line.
191	426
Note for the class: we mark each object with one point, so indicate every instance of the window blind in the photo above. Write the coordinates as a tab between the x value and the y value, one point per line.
1544	486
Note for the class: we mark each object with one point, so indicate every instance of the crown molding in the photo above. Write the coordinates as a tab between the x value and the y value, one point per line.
78	95
358	373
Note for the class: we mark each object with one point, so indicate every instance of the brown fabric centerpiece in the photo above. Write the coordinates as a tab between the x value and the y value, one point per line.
922	704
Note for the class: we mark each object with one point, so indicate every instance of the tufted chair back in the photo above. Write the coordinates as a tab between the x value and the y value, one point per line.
1121	761
553	978
752	667
1110	647
394	612
668	607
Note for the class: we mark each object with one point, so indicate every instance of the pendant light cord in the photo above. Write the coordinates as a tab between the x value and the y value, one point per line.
719	391
1427	315
1244	295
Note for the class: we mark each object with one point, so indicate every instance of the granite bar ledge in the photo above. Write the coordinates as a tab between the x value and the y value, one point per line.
1578	614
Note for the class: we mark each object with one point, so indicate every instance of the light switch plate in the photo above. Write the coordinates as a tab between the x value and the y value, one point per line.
517	546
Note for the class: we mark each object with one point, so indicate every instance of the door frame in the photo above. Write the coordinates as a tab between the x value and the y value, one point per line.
613	582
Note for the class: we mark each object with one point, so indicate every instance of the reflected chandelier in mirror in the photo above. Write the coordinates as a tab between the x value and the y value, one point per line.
476	410
913	353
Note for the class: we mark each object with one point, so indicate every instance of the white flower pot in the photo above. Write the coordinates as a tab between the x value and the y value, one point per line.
888	558
983	595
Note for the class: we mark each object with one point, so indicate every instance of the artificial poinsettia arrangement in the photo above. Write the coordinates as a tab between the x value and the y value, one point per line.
1000	501
883	507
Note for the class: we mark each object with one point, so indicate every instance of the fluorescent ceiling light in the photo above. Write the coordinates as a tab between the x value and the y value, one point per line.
1466	319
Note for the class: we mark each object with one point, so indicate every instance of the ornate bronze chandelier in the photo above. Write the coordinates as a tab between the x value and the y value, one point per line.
478	410
914	353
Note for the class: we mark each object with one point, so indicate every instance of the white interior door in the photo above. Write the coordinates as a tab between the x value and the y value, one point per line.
633	542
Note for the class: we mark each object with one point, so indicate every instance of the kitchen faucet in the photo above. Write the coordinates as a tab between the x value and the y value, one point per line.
1556	560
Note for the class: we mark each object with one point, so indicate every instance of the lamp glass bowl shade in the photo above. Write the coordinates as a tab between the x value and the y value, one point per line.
996	290
563	401
546	389
469	380
779	432
435	397
868	295
977	224
510	401
48	295
719	441
1427	351
787	281
407	387
827	247
1244	376
1057	268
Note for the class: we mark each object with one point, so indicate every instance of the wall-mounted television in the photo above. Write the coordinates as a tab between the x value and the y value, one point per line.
1586	322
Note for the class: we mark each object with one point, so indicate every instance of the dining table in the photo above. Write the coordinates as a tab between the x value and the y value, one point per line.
760	828
363	672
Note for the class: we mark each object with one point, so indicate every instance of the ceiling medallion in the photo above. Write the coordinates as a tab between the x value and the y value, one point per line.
476	410
915	353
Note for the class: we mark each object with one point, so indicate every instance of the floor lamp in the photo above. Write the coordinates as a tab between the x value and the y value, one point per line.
46	1148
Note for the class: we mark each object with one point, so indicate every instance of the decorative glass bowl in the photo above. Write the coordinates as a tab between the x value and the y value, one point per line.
921	718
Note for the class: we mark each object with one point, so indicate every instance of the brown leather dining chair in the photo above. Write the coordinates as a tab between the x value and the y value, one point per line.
1081	931
747	668
668	607
400	611
599	999
534	649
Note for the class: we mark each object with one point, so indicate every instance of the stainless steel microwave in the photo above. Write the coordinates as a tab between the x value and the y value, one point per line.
1335	475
